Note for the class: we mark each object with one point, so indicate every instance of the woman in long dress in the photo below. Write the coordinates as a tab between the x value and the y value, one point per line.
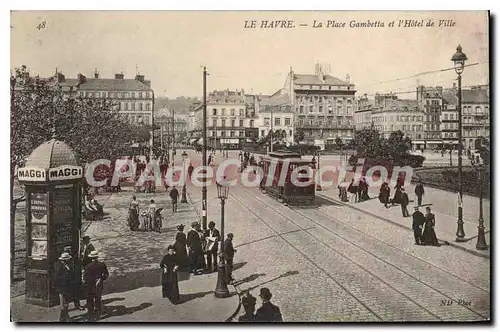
169	281
429	234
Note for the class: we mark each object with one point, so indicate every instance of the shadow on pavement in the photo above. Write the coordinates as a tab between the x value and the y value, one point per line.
132	280
114	311
320	201
188	297
237	266
286	274
250	278
106	301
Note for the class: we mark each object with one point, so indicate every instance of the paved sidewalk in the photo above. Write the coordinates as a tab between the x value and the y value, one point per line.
446	223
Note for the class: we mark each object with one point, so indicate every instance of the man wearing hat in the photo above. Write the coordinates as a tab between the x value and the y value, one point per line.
195	249
95	274
76	278
64	284
86	249
229	252
418	222
248	302
268	312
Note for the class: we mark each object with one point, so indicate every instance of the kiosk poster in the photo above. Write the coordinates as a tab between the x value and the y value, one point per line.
38	207
39	248
62	217
39	232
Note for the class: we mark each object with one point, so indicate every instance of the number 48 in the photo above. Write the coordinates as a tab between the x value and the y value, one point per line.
41	25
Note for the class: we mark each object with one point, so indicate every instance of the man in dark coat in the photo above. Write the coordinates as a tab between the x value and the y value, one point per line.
404	203
229	252
64	277
419	192
86	249
195	249
268	312
76	277
418	221
212	232
174	195
95	274
248	302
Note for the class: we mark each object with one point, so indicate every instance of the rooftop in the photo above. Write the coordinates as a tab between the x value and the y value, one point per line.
310	79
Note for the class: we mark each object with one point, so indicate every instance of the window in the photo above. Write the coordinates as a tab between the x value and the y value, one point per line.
147	94
241	123
232	111
241	133
140	95
310	109
214	111
133	94
289	133
266	121
301	109
223	122
251	123
478	109
339	109
223	112
288	121
232	134
233	123
242	112
214	133
320	109
277	121
446	116
133	106
148	106
262	133
223	133
146	119
103	94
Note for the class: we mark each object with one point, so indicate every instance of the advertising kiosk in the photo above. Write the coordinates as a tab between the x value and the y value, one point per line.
52	178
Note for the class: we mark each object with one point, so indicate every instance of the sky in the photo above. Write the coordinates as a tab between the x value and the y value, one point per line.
170	48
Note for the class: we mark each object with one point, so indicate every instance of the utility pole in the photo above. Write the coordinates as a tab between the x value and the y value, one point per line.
173	135
271	149
204	188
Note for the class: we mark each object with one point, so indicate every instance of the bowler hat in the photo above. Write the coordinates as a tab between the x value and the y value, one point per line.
265	293
65	256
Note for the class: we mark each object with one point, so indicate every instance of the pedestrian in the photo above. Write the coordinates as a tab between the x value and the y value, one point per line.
190	170
404	203
133	215
63	284
212	235
228	253
174	195
418	221
353	189
195	249
268	312
209	162
151	215
96	273
248	302
76	277
419	192
429	234
169	280
86	249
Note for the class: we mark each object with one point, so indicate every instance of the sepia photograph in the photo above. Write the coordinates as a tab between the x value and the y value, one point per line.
250	166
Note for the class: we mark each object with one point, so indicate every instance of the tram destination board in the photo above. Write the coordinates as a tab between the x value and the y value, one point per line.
62	219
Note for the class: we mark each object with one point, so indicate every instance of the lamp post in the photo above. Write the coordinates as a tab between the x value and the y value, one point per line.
221	289
481	239
184	158
318	185
459	59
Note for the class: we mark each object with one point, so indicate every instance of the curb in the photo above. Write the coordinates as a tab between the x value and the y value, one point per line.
475	253
238	308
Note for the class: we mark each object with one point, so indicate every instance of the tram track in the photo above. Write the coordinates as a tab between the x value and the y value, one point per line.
319	225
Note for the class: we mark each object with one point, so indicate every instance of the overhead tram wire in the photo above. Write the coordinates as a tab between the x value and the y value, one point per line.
406	92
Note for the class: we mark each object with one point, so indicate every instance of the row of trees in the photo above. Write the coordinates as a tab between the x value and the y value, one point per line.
40	110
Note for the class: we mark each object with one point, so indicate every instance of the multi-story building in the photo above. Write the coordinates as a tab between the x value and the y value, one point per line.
475	116
430	100
324	106
231	118
387	114
276	113
449	119
173	127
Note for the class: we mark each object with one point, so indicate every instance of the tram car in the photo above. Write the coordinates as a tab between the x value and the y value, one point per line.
287	192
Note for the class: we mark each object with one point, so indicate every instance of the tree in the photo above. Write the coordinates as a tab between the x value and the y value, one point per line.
398	145
368	143
299	135
40	110
338	143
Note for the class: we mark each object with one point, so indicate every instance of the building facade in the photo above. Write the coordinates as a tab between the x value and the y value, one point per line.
173	128
449	119
324	106
475	116
430	100
231	118
276	114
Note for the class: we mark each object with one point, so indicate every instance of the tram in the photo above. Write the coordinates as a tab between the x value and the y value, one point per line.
287	192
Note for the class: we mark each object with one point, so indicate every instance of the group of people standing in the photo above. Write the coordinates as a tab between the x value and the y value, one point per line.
195	253
69	277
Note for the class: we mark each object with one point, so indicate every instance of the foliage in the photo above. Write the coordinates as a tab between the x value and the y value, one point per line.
299	135
369	144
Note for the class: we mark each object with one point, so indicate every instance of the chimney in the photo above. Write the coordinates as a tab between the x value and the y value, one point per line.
139	78
119	76
96	74
81	79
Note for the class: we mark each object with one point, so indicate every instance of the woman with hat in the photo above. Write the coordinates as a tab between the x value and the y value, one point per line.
181	252
268	312
169	280
64	284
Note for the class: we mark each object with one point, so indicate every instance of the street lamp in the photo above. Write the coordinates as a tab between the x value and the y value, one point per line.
318	185
481	239
221	289
184	158
459	59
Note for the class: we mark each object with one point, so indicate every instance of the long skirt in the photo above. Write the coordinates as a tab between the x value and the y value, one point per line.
429	236
170	286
